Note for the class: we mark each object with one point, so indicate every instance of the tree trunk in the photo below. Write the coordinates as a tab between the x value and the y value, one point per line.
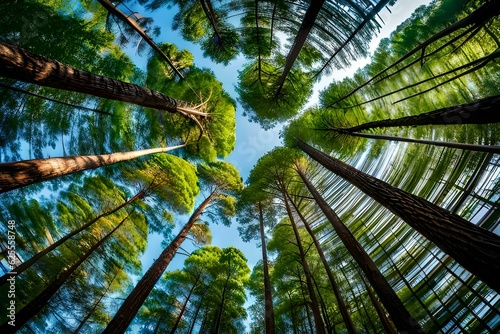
268	298
27	264
401	317
38	303
462	146
110	7
307	24
320	329
198	308
19	64
136	298
483	111
340	300
183	309
476	249
19	174
218	320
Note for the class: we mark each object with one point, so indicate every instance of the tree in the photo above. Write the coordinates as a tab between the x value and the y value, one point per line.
22	173
221	180
475	248
23	65
251	208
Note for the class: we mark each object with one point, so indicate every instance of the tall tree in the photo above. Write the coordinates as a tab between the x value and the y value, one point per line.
18	174
221	180
475	248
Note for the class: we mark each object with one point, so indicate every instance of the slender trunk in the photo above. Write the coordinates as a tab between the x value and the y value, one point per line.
483	111
307	24
268	298
381	4
19	174
96	303
320	329
292	314
110	7
386	323
462	146
183	309
136	298
38	303
220	311
27	264
340	300
209	13
324	311
19	64
198	308
476	249
401	317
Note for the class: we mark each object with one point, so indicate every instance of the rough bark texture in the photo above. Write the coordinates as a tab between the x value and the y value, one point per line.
307	24
18	174
340	300
110	7
318	323
476	249
27	264
401	317
38	303
483	111
268	298
19	64
136	298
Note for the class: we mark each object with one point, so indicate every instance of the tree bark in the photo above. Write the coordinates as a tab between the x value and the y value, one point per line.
38	303
110	7
19	64
136	298
268	298
401	317
483	111
333	282
476	249
318	323
27	264
307	24
19	174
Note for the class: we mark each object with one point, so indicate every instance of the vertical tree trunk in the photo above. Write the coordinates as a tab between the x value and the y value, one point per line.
268	298
110	7
19	64
38	303
198	308
136	298
401	317
27	264
220	311
340	300
475	248
320	329
18	174
184	305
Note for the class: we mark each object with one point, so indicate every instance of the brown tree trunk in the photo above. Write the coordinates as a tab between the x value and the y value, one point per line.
136	298
476	249
110	7
19	174
483	111
220	311
27	264
340	300
38	303
307	24
184	305
462	146
19	64
320	329
401	317
268	298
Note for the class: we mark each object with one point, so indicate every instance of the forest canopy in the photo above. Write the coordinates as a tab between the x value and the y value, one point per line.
133	202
